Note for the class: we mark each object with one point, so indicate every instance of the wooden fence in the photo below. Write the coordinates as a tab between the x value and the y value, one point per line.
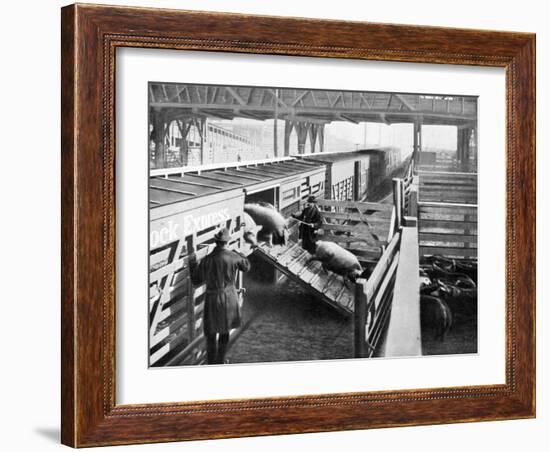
447	214
449	229
373	299
364	228
450	187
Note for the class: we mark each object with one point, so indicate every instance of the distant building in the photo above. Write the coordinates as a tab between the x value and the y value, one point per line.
220	145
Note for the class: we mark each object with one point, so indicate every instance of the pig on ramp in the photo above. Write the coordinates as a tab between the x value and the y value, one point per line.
273	224
250	230
338	260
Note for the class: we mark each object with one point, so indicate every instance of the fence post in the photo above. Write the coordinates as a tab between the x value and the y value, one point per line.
398	201
360	319
413	198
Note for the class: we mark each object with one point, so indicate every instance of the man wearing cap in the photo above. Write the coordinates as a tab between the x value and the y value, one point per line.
311	220
218	271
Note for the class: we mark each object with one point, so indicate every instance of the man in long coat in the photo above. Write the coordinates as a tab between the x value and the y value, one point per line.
311	220
222	312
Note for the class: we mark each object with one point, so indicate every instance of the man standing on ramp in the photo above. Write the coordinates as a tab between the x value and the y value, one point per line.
310	220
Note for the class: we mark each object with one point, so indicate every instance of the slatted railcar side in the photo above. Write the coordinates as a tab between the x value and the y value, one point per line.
384	162
347	174
176	306
187	207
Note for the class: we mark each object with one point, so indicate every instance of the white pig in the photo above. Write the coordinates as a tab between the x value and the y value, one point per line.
272	222
337	259
250	230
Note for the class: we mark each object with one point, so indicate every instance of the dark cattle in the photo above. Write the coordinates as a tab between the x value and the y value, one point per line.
435	315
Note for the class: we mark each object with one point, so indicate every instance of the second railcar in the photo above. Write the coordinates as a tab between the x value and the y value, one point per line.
384	162
347	174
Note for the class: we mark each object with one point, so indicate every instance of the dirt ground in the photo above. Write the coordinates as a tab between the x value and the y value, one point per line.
284	323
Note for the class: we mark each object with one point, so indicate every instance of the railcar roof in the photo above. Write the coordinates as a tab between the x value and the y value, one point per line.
179	185
344	156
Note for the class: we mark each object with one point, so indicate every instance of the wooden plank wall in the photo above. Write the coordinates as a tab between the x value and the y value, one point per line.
449	229
447	214
175	305
451	187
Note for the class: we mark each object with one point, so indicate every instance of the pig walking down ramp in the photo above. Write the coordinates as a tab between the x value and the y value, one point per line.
296	263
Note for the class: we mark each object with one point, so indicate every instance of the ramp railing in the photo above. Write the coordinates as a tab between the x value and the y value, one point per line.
373	299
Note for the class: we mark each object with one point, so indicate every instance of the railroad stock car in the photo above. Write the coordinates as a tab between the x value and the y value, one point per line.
351	175
186	208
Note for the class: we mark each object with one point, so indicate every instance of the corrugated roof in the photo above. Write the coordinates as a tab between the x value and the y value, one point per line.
175	188
344	156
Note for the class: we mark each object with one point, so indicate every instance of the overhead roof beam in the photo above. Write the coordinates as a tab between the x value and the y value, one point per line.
216	114
247	114
305	111
348	118
277	98
366	100
405	102
235	95
305	119
299	98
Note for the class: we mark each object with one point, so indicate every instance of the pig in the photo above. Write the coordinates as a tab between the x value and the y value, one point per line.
273	224
250	230
266	204
435	315
337	259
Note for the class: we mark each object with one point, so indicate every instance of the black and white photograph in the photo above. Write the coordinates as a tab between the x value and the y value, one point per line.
291	224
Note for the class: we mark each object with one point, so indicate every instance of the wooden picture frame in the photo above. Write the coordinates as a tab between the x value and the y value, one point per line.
90	36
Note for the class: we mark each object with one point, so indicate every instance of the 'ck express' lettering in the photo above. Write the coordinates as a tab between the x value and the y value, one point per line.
189	225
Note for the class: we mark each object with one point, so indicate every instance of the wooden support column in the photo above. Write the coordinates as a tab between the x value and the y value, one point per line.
473	150
413	198
275	121
313	136
459	145
463	145
200	124
302	130
159	117
360	320
321	137
398	202
289	125
467	149
184	126
417	138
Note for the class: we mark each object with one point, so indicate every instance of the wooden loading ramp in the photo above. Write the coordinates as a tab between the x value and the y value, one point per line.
292	260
